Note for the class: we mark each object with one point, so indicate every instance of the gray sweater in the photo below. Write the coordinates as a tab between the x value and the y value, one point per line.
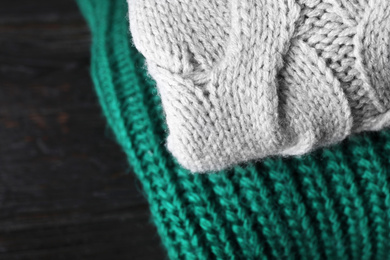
241	80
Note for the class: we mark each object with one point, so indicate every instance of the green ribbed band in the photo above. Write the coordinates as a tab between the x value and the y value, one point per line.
333	204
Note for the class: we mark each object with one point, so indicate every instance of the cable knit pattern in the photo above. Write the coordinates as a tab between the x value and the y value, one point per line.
333	204
246	79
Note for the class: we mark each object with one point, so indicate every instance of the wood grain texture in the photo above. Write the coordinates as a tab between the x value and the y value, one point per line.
66	190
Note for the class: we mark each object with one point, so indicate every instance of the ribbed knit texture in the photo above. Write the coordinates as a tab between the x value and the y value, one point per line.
332	204
242	80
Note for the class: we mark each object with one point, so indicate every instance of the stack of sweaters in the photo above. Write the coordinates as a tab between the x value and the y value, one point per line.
240	86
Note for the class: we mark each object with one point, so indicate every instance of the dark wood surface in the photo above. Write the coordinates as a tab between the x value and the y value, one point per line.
66	190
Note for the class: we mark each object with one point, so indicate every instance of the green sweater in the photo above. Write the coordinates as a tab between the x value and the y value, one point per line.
332	204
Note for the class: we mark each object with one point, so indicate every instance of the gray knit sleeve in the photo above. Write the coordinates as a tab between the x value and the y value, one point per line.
241	80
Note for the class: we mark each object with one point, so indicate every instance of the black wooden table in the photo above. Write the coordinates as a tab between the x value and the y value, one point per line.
66	190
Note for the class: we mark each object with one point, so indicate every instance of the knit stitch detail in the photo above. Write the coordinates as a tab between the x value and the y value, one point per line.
243	80
331	204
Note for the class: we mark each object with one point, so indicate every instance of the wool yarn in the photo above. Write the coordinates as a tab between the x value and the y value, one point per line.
331	204
247	79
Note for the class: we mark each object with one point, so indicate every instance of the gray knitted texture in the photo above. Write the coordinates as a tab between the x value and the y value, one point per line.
242	80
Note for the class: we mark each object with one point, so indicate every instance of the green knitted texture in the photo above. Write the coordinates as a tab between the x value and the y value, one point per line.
332	204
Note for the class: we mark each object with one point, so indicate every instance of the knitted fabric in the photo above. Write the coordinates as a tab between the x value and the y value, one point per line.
246	79
331	204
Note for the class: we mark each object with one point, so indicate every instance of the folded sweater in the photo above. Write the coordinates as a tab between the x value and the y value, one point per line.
246	79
